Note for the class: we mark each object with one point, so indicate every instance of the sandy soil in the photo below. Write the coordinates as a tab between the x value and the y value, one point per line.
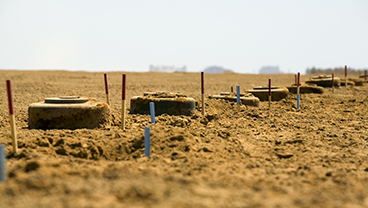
247	157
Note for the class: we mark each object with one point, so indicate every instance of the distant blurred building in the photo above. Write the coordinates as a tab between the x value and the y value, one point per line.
216	70
167	69
269	70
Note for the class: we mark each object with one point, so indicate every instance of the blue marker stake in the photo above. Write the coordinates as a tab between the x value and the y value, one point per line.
152	110
2	163
238	95
298	102
147	142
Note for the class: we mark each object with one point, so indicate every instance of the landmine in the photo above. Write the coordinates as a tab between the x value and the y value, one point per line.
305	89
245	99
277	93
324	81
357	81
363	78
350	83
68	112
165	103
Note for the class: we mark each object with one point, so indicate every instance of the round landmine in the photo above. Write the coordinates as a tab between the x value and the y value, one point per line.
245	99
66	99
364	78
164	94
350	83
68	112
357	82
324	81
277	93
305	89
165	103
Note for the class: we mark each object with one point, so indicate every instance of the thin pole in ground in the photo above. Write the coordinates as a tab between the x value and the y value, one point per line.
123	103
202	90
12	117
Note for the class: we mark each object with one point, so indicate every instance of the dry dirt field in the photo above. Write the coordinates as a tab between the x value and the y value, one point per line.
249	157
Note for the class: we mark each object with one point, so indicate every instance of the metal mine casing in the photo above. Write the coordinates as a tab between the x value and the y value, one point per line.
68	113
324	81
165	103
277	93
305	89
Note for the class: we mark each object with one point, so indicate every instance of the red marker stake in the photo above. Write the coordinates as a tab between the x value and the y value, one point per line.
123	103
107	90
12	117
346	76
298	92
232	90
298	84
202	86
269	93
333	83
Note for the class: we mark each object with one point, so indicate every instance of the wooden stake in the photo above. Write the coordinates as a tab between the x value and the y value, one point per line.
298	84
346	76
202	86
12	117
298	92
107	90
365	77
333	83
269	93
238	95
123	103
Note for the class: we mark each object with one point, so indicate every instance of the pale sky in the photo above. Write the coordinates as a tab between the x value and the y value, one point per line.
241	35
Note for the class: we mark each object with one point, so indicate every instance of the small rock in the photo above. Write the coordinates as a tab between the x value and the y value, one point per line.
178	155
284	155
59	142
42	142
31	166
61	151
206	149
204	121
181	122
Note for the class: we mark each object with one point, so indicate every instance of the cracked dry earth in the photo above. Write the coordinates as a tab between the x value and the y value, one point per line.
231	157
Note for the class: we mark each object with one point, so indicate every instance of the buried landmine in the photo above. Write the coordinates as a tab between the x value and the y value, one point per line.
348	82
305	89
245	99
278	93
68	112
357	81
325	81
165	103
363	77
